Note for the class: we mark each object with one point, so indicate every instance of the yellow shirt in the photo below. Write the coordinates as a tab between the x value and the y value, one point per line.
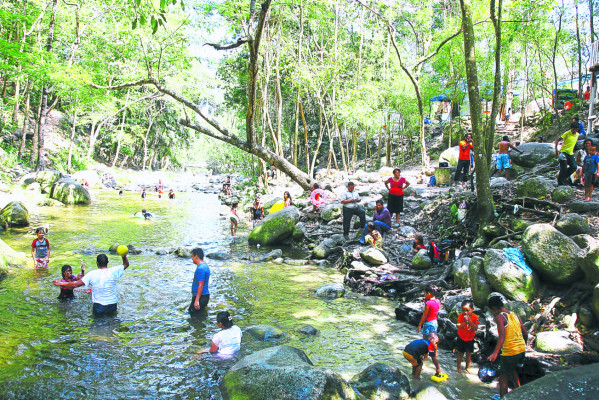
570	140
514	342
374	239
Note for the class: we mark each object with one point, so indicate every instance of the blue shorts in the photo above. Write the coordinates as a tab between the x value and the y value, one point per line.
430	327
503	161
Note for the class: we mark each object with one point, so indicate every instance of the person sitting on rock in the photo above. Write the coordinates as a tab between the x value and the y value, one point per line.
350	200
288	199
381	220
418	244
374	238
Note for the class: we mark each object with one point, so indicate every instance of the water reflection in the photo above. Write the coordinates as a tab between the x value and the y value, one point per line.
50	349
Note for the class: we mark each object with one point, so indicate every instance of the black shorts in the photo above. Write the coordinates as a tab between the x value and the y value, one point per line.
589	179
462	346
100	309
203	303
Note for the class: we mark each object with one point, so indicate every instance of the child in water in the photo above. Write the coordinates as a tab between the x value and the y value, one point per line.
467	326
234	218
67	276
40	249
428	322
228	340
418	351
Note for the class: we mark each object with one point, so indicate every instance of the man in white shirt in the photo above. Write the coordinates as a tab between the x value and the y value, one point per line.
103	283
350	200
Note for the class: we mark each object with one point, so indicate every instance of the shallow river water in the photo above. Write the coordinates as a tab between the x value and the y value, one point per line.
54	350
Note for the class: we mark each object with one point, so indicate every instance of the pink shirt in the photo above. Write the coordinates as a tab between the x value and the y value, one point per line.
433	309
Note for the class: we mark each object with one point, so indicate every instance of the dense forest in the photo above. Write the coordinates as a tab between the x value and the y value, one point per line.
300	84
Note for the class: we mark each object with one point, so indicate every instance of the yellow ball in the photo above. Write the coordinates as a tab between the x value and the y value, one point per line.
122	250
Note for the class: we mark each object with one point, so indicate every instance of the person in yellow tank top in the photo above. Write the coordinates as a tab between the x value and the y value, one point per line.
512	343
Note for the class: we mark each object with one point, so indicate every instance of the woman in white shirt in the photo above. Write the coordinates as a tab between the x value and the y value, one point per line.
228	340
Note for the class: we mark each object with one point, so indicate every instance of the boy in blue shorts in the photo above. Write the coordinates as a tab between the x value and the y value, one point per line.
418	351
590	170
503	158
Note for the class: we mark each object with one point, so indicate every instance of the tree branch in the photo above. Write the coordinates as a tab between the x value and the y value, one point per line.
217	46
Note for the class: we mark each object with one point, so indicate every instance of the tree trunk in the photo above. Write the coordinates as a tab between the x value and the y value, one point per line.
579	52
306	145
72	138
34	146
484	196
296	130
25	120
120	135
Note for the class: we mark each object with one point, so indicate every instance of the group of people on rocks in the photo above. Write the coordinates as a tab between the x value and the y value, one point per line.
509	351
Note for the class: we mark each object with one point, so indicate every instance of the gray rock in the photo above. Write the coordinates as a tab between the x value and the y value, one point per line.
276	253
481	288
290	261
275	227
562	194
282	372
264	332
161	252
407	231
590	264
586	316
520	308
556	342
34	187
68	191
501	244
579	206
535	186
381	382
14	214
552	254
10	258
331	212
533	154
113	247
572	224
47	178
373	256
498	183
331	291
309	330
584	241
509	279
453	306
183	252
218	255
133	249
461	272
578	383
327	245
421	260
299	231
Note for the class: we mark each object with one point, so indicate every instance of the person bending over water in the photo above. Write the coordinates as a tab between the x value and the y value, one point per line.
103	283
228	340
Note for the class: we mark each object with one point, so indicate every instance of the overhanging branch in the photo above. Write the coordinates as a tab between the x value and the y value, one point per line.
217	46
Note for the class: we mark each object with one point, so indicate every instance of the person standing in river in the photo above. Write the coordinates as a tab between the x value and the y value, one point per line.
103	283
200	295
395	185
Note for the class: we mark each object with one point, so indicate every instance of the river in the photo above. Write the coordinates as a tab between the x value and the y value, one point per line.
54	350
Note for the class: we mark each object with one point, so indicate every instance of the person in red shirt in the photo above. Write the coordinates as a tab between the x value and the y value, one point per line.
395	185
587	94
465	147
467	326
40	249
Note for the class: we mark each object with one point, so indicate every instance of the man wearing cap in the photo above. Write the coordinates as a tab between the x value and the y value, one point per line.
350	200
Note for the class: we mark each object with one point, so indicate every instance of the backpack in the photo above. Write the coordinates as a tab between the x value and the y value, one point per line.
433	252
432	181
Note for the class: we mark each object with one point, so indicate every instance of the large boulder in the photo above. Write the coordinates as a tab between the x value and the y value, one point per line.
264	332
535	186
47	179
93	178
509	279
580	206
326	246
533	154
299	231
421	260
373	256
331	291
556	342
10	258
450	155
590	264
282	372
572	224
562	194
68	191
579	383
331	212
275	227
552	254
381	382
461	272
14	214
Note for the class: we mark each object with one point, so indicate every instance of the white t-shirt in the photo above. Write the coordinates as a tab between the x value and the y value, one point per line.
228	340
103	282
